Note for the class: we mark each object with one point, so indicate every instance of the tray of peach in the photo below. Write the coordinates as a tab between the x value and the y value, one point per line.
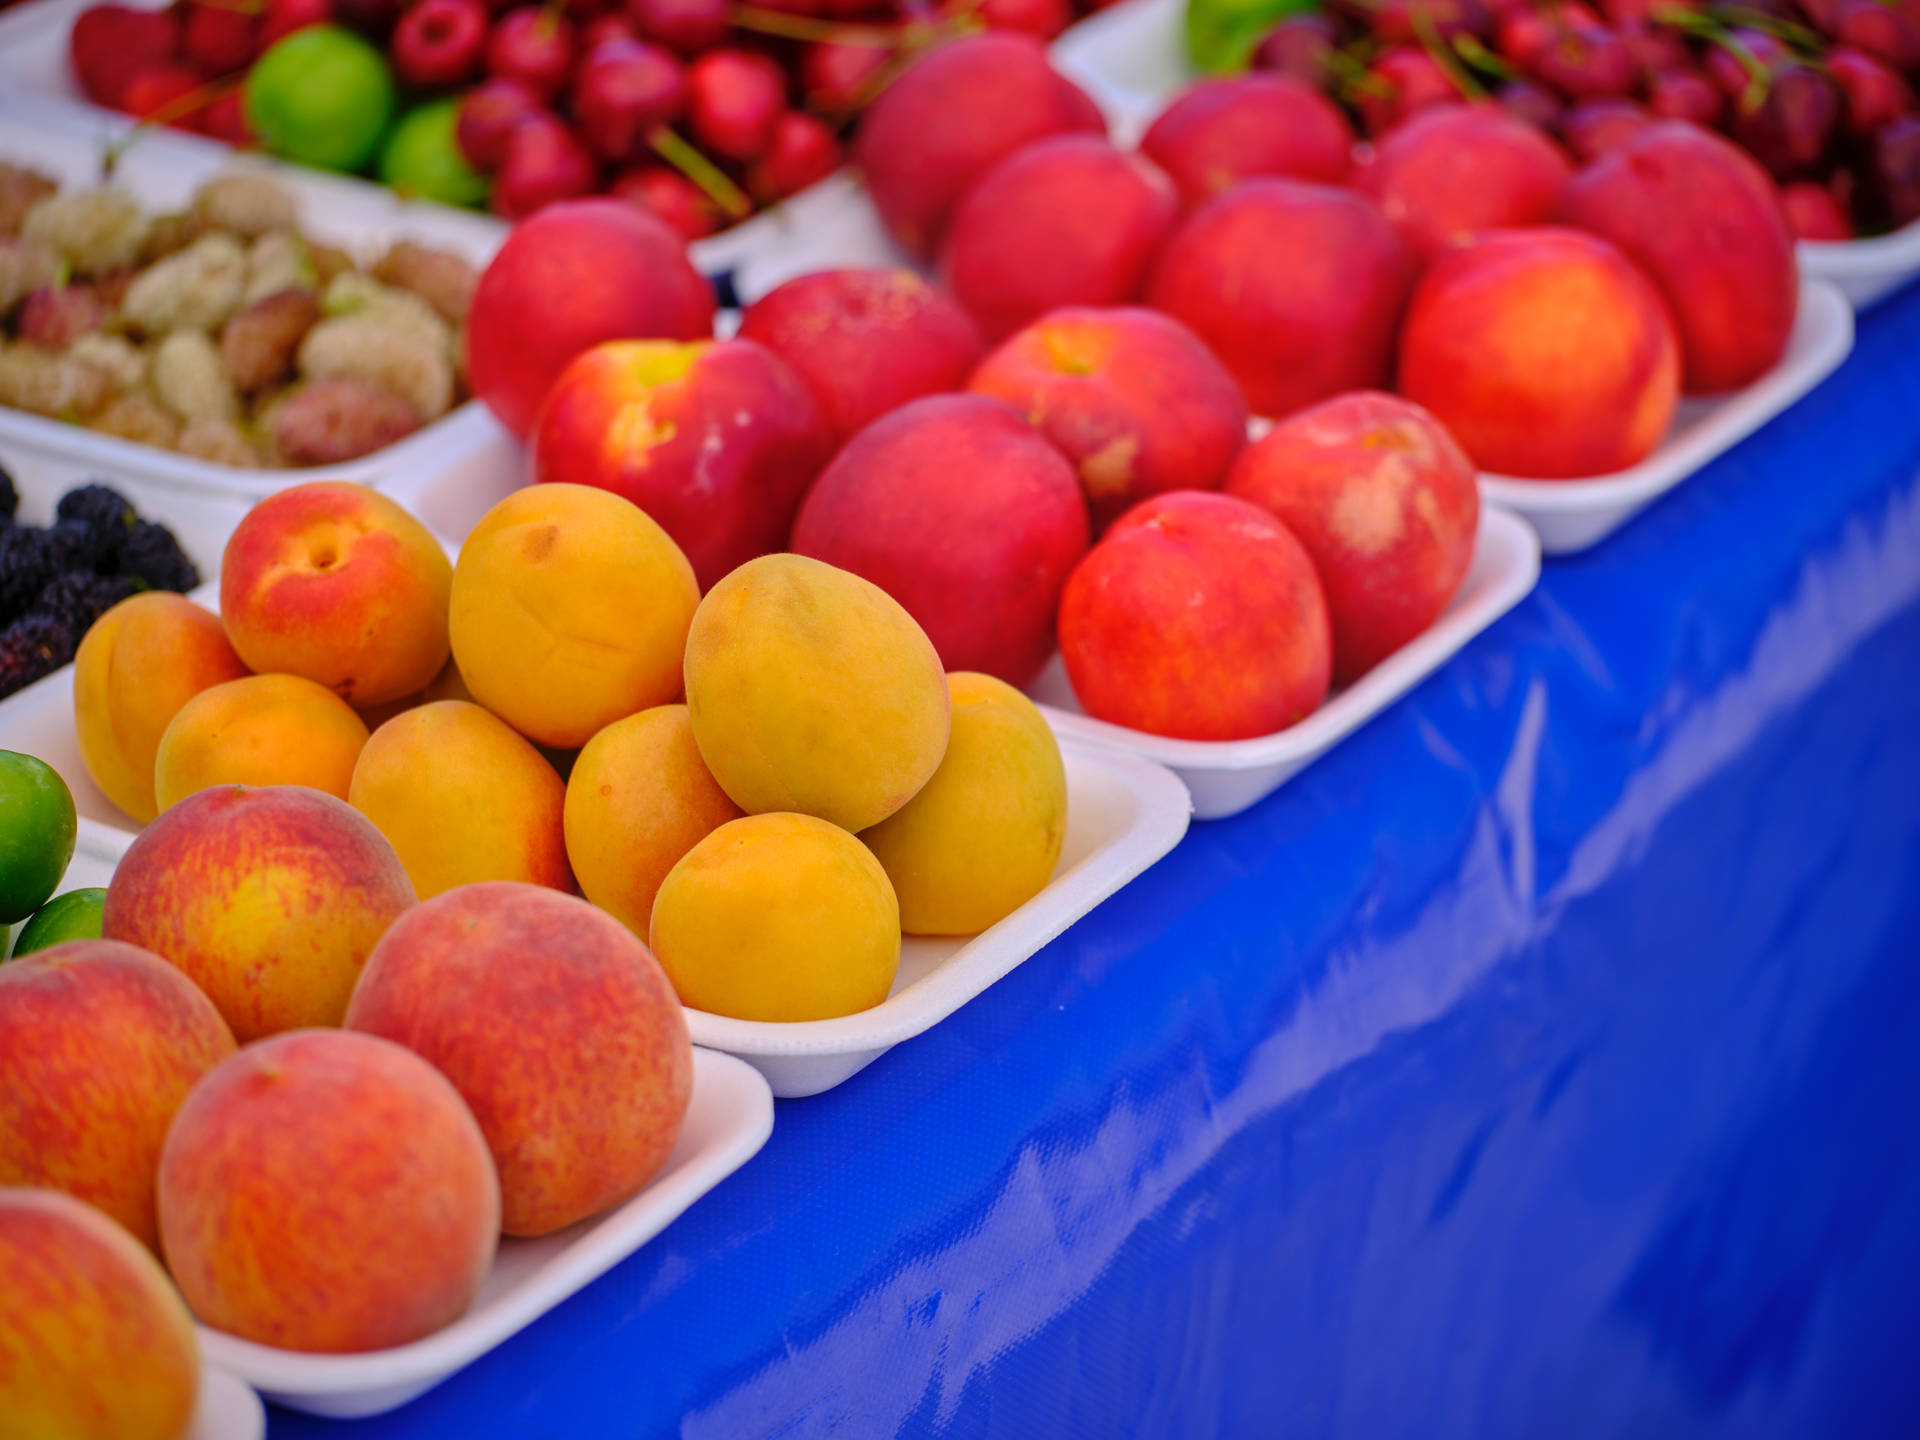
412	1200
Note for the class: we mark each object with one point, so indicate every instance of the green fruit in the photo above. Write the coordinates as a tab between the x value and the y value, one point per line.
37	828
1221	34
423	159
72	916
322	96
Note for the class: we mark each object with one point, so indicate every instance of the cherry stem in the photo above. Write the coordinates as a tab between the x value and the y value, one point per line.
682	156
1469	49
166	114
1429	36
805	27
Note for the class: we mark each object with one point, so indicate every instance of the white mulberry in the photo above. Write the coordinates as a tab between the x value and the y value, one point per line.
94	231
191	381
248	205
196	289
219	441
277	262
360	297
395	360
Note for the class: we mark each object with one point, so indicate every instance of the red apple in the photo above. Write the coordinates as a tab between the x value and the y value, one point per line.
735	98
440	42
623	91
955	507
716	441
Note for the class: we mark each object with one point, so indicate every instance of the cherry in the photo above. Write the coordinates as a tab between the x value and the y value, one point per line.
1400	83
1880	30
1593	127
1042	19
1813	212
602	28
1685	95
1523	32
835	76
803	151
1411	22
217	40
688	26
1873	95
225	118
1586	62
160	89
734	102
670	196
1654	48
1791	128
543	162
373	18
1298	47
533	46
1896	169
622	92
487	116
280	18
1726	68
1533	103
110	45
440	42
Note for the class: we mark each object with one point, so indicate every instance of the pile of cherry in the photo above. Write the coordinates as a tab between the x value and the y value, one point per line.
699	110
1819	91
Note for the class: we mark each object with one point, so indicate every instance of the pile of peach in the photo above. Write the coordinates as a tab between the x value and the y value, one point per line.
519	716
319	1102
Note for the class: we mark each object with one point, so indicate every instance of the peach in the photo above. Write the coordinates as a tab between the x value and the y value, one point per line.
715	441
1453	169
1064	221
1296	287
1705	222
866	341
1197	616
809	689
557	1027
958	510
1545	352
268	899
954	113
94	1342
638	799
575	274
778	917
461	797
984	834
336	583
1386	504
139	663
1130	396
327	1191
260	730
570	610
447	685
99	1044
1219	132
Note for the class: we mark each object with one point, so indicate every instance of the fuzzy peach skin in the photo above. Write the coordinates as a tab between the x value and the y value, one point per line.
1197	616
639	798
810	689
1218	132
984	834
1296	287
259	730
954	113
1386	503
461	798
557	1027
866	341
957	509
1546	352
778	917
336	583
1706	223
327	1191
1068	220
1453	169
94	1342
570	610
139	663
1130	396
577	273
715	440
268	899
99	1043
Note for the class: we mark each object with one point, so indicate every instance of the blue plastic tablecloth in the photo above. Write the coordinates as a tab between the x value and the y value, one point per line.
1545	1061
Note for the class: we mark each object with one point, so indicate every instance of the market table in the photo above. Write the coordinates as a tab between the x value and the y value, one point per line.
1543	1061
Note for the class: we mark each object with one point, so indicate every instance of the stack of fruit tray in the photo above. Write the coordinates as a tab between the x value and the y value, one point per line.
1133	58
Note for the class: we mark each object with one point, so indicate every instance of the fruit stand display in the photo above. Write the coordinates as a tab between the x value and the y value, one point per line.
486	708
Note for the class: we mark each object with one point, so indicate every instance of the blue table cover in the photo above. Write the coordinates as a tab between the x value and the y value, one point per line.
1543	1062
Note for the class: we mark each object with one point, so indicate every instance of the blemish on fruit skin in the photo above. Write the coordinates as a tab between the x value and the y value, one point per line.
539	543
1109	470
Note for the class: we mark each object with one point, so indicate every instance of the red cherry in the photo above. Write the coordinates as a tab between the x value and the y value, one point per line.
1654	48
623	91
1409	22
1593	127
216	39
687	209
687	26
440	42
1880	30
1791	128
734	102
281	18
1586	62
1729	71
602	28
1042	19
533	46
803	151
1685	95
1896	169
835	76
1813	212
1403	81
159	90
1298	47
1533	103
111	44
487	116
543	162
225	118
1873	95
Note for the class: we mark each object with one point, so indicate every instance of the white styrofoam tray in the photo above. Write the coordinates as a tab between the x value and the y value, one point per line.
1573	514
1866	271
228	1409
162	169
1227	776
1123	815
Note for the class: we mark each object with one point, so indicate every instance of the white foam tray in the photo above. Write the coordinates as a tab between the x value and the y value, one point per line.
1227	776
1574	514
162	170
228	1409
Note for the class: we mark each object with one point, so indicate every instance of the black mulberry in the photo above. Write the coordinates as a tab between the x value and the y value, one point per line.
93	523
32	648
77	599
28	560
152	557
9	497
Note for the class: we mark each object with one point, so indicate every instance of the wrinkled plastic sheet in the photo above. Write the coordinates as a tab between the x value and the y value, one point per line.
1544	1061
